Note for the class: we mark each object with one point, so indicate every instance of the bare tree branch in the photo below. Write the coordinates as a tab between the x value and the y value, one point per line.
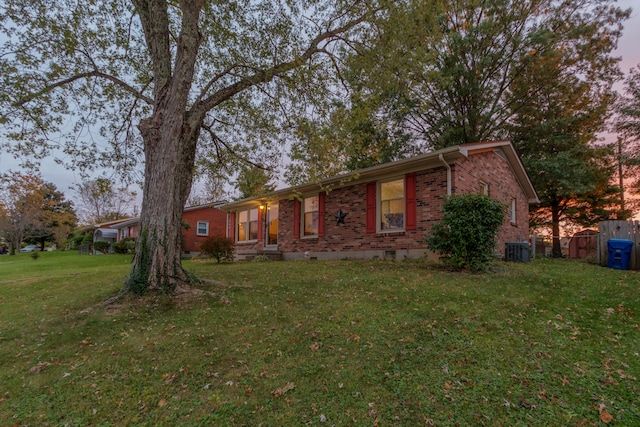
268	74
217	140
81	76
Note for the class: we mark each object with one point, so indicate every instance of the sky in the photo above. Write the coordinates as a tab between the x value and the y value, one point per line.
628	50
629	44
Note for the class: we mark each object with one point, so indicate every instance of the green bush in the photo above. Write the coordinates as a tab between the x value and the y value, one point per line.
87	239
76	239
101	246
125	246
218	247
466	236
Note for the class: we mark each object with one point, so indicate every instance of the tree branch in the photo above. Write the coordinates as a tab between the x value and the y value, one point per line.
218	141
81	76
268	74
154	18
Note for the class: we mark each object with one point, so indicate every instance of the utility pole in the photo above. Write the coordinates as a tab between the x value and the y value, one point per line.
620	175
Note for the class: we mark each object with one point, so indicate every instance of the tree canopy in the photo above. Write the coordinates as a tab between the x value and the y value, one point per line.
163	81
451	75
102	200
33	211
539	72
627	127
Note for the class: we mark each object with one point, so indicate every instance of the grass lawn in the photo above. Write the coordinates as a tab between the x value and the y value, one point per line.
319	343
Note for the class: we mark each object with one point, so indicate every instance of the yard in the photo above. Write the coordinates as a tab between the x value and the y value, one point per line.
319	343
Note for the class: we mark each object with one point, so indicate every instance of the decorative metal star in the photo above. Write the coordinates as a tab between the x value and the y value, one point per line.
340	217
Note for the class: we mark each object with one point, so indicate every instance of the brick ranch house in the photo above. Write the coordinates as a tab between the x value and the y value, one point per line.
199	222
382	211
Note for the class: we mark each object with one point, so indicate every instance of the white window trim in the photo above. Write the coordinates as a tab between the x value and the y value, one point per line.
379	228
206	224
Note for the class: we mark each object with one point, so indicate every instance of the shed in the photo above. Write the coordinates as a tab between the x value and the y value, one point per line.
584	244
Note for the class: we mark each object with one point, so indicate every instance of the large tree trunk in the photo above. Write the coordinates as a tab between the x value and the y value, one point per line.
170	136
170	147
556	251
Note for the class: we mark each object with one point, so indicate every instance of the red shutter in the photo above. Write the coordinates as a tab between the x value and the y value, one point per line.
372	188
232	225
321	213
260	225
410	201
296	218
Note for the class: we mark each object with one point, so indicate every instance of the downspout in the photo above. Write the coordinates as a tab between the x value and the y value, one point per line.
441	157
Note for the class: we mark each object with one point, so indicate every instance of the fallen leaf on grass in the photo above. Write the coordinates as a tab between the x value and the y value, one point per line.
282	390
606	417
525	404
624	375
353	337
38	368
162	403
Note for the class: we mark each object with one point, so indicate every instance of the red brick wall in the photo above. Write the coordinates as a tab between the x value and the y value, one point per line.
217	226
503	186
431	186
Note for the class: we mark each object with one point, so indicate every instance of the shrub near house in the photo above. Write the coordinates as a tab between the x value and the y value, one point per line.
102	247
466	236
125	246
218	247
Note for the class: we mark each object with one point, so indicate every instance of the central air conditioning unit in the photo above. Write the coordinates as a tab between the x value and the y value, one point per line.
516	252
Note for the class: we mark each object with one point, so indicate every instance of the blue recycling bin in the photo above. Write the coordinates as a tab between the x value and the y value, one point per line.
619	253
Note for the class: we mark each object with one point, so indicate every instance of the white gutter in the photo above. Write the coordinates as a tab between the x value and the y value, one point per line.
441	157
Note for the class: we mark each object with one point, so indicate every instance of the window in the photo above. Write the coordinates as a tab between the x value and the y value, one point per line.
202	229
392	205
248	225
310	215
512	211
483	188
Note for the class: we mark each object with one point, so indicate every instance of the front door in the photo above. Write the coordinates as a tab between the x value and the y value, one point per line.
272	226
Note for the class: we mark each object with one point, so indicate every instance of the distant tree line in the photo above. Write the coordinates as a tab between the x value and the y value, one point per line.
33	211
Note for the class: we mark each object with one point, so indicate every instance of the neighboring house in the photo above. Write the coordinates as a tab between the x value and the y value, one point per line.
103	232
127	228
384	211
199	223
